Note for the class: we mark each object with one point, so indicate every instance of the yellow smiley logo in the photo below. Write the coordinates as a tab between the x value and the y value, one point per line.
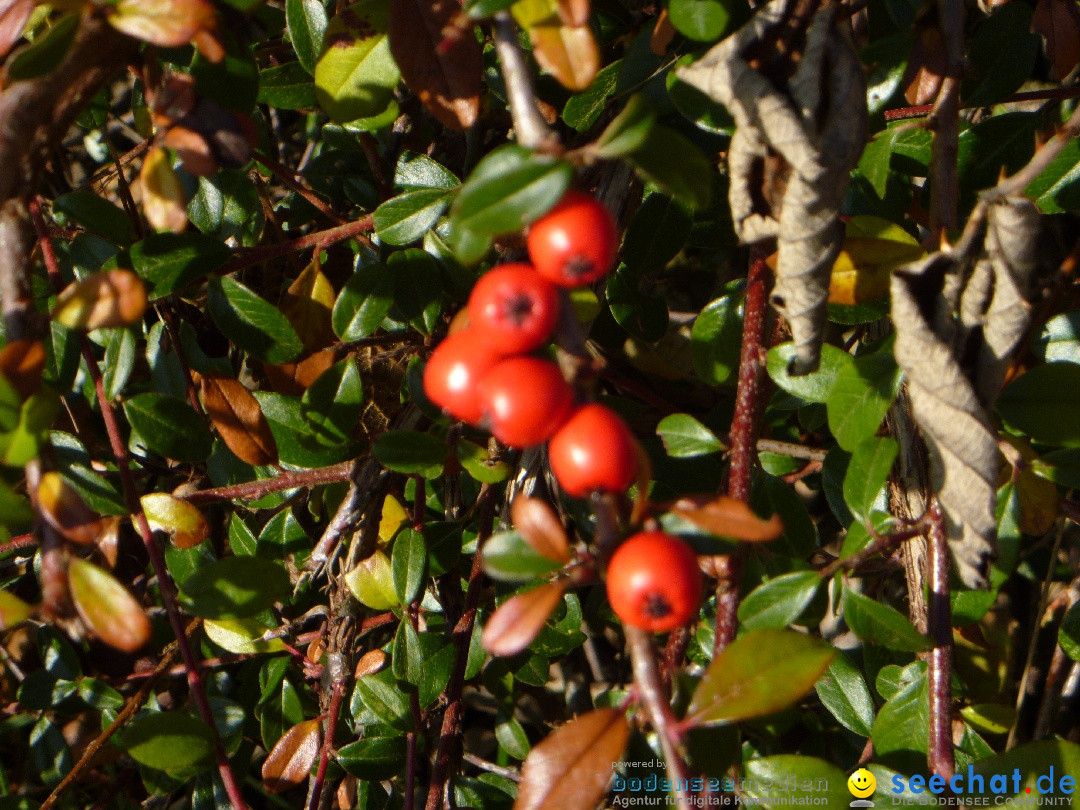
862	784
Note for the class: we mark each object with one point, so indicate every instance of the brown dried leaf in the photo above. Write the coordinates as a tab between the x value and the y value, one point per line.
926	66
109	298
21	363
663	34
106	607
169	23
163	198
108	542
62	508
571	768
309	305
182	521
239	419
293	379
1059	23
569	53
193	150
728	517
516	621
290	762
574	13
540	527
445	72
13	17
371	662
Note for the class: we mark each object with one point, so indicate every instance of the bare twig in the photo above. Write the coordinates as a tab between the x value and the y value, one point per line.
529	125
297	184
338	673
252	490
1053	94
319	240
939	684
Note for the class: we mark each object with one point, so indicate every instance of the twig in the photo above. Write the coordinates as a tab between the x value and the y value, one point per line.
371	152
940	758
338	675
529	126
880	544
945	120
1054	94
791	449
295	182
252	490
507	773
19	542
319	240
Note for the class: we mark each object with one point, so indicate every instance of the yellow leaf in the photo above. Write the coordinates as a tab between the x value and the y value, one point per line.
106	607
372	582
241	636
393	518
108	298
864	267
182	521
309	306
163	198
13	610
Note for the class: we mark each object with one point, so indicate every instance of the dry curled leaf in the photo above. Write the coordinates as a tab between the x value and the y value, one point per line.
22	363
515	623
109	298
728	517
62	508
540	527
292	757
182	521
571	768
926	65
163	198
293	379
106	607
238	418
800	129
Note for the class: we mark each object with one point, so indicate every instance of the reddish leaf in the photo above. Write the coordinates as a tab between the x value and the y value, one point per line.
293	379
568	53
926	67
728	517
169	23
571	768
1059	23
109	298
182	521
13	17
308	305
574	13
663	34
21	363
63	509
239	419
445	72
370	662
193	150
516	621
290	762
163	198
540	528
106	607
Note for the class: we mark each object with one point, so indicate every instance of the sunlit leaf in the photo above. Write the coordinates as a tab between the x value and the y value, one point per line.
241	636
515	623
877	623
372	582
238	418
65	511
163	197
569	53
108	298
356	75
862	270
168	741
235	587
22	363
183	522
106	607
168	23
308	305
541	528
13	610
728	517
290	761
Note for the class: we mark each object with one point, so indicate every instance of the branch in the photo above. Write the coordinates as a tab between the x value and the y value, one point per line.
252	490
1054	94
531	129
945	119
295	182
338	676
940	751
320	240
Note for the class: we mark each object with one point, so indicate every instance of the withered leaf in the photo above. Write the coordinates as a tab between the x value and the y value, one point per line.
571	768
13	17
446	73
109	298
926	66
238	418
729	517
22	363
540	527
293	379
516	621
569	53
182	521
1059	23
169	23
308	305
371	662
573	12
193	150
292	757
163	198
663	34
106	607
62	508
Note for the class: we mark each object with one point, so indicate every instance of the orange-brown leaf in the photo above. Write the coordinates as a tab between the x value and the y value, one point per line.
109	298
445	71
182	521
21	363
169	23
1059	23
309	305
569	53
926	66
728	517
106	607
62	508
13	17
163	198
516	621
290	762
574	13
540	527
662	35
193	150
293	379
571	768
239	419
370	662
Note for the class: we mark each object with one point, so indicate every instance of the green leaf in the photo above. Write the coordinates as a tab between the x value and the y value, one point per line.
227	205
1059	340
356	75
333	403
233	81
242	636
377	698
780	601
715	340
253	324
629	130
169	426
373	758
584	109
363	302
643	315
844	692
45	53
867	472
877	623
410	452
816	387
119	360
671	161
1069	633
1033	761
169	262
508	557
417	171
408	562
287	87
512	738
1004	141
96	214
13	610
168	741
406	657
902	723
372	582
409	216
235	587
1001	55
703	20
306	20
509	188
1041	403
685	437
874	163
478	463
759	673
295	442
861	396
772	781
1057	189
51	757
656	234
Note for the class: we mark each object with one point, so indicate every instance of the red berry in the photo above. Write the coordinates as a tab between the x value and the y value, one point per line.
515	306
455	368
593	451
575	242
524	400
653	582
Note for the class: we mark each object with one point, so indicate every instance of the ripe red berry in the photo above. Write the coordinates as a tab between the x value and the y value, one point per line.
653	582
524	400
575	242
515	306
593	451
455	368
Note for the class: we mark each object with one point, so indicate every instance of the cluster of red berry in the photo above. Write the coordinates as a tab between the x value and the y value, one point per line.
485	376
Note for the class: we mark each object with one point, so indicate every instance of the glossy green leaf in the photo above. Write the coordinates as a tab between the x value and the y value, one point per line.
306	20
772	781
629	130
287	87
410	452
363	302
656	233
46	53
372	582
867	472
860	397
843	691
685	437
296	443
356	74
1034	761
168	741
169	426
333	403
584	109
877	623
759	673
478	463
379	698
408	562
231	81
416	171
1057	188
406	657
671	161
241	636
226	205
703	20
373	758
902	723
169	262
715	339
408	217
235	587
508	557
780	601
816	387
96	214
1041	403
643	315
252	323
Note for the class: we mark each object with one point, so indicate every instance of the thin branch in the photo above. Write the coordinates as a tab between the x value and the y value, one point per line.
338	676
1054	94
879	545
252	490
297	184
529	126
940	758
18	543
320	240
945	120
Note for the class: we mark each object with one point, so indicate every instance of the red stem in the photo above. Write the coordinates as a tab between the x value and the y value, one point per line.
19	542
318	241
940	752
251	490
328	742
1056	94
